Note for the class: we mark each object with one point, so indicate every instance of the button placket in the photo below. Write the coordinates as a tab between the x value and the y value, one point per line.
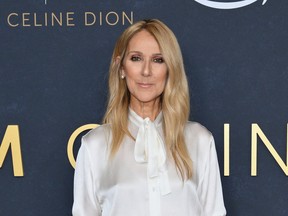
150	149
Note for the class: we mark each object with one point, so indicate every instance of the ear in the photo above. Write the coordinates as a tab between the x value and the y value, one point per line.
118	61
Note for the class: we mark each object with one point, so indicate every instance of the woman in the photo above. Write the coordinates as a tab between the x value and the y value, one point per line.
147	159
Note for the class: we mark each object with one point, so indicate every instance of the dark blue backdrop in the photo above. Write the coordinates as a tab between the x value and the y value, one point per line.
53	80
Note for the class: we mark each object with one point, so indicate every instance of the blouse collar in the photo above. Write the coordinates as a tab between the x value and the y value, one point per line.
150	148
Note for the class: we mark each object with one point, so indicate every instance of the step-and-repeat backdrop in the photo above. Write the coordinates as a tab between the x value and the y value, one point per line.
54	58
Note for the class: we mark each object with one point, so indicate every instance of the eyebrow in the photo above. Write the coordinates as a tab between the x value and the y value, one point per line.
138	52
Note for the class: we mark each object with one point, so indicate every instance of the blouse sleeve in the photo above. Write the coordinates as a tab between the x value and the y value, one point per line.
210	189
85	199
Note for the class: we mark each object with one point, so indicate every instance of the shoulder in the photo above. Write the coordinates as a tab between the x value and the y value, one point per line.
196	131
98	137
94	150
199	139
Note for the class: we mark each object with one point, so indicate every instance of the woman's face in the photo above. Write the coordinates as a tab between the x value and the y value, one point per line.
144	69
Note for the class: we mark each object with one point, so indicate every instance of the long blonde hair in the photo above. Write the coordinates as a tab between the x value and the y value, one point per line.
174	100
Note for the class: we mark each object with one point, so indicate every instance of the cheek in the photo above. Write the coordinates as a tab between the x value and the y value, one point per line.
131	69
131	73
130	83
163	79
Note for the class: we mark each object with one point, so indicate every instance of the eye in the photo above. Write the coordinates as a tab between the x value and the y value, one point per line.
158	60
135	58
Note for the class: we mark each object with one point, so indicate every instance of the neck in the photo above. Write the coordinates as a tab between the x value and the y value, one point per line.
149	109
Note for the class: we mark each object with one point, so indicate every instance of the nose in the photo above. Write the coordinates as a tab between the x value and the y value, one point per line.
146	70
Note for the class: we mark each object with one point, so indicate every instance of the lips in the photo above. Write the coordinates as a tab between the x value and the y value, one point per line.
145	85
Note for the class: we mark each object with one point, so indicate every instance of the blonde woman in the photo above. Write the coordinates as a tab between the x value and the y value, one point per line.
147	159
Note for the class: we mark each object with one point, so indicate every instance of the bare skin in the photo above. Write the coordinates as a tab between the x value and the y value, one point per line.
145	72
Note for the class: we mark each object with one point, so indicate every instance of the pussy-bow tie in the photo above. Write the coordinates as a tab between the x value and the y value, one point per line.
149	148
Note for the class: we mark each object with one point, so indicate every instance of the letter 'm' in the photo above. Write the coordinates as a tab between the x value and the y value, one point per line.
12	139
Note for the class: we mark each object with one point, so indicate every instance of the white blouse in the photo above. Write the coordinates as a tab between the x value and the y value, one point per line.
141	180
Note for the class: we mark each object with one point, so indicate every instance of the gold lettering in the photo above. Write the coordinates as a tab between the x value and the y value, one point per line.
12	138
9	21
35	20
257	131
69	18
226	149
72	140
116	18
58	20
124	15
46	19
24	19
93	19
100	18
